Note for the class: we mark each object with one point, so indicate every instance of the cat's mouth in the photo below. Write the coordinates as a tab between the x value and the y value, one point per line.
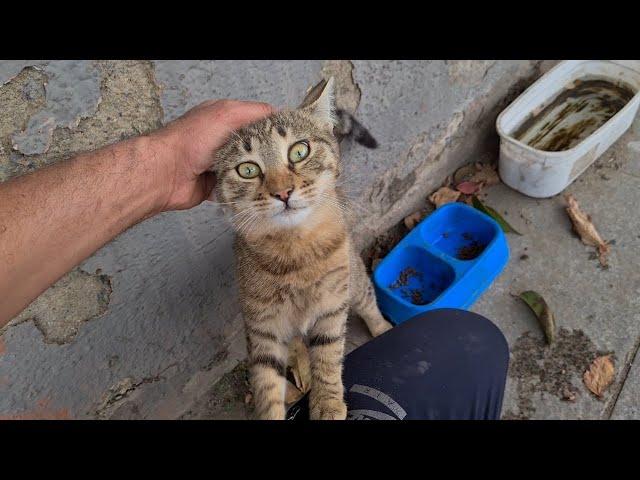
291	215
290	210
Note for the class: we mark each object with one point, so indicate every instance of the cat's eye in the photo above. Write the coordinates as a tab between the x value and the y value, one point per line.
248	170
298	152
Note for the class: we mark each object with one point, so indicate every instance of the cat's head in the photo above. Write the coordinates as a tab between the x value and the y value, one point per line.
281	172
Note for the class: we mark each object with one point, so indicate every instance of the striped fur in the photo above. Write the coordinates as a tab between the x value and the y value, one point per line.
297	271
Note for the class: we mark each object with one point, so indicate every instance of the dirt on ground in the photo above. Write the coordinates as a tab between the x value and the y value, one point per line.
227	399
382	245
555	370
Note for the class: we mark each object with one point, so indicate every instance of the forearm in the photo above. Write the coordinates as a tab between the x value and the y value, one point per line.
56	217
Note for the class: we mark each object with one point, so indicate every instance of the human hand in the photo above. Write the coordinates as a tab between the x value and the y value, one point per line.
185	148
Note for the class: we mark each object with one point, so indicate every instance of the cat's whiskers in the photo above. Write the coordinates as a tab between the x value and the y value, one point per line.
252	214
242	212
248	225
248	218
334	205
345	185
250	208
242	225
240	216
333	198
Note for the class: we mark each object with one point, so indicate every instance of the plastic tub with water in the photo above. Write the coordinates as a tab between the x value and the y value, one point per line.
564	122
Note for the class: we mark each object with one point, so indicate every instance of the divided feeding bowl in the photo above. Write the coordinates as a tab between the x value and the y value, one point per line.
447	261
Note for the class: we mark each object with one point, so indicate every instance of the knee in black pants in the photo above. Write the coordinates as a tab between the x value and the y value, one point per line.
444	364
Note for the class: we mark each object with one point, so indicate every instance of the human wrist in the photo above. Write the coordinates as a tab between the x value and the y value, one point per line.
159	159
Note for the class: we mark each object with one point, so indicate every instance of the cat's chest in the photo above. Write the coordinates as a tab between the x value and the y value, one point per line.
298	258
295	274
318	289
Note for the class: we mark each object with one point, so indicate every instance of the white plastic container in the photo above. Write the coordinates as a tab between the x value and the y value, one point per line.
540	173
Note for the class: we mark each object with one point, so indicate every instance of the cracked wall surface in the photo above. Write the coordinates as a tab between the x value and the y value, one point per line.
59	312
72	93
158	324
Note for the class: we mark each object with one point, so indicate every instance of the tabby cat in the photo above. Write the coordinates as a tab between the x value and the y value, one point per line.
297	270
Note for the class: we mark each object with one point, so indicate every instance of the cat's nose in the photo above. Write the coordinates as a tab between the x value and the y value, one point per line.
283	195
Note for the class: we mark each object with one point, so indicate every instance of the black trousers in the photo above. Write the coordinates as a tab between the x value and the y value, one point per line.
446	364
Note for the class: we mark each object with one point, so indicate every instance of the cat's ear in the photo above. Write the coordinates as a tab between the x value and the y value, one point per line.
320	102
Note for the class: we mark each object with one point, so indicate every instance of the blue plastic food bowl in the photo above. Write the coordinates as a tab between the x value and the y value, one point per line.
446	261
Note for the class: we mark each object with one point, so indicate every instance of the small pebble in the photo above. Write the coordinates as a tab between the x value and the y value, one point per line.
568	395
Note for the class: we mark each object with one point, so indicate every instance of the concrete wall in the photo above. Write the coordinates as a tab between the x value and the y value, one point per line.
144	327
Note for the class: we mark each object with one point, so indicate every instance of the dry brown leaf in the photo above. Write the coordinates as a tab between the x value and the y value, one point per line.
537	303
410	221
443	196
585	229
299	364
292	394
600	375
485	175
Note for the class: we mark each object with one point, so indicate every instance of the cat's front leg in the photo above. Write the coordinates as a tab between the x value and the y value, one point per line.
363	298
267	367
326	352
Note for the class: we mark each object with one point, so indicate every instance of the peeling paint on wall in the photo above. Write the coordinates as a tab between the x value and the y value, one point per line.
117	393
23	97
9	69
468	72
20	98
347	90
60	311
72	93
115	100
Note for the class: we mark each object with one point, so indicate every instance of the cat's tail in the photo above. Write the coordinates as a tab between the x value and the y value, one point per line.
348	126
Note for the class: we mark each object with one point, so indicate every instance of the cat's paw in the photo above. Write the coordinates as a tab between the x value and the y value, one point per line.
329	409
380	328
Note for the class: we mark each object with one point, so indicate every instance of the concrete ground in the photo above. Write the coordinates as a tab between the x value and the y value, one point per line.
597	310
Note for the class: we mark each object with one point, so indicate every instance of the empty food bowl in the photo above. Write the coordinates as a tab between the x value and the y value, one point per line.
446	261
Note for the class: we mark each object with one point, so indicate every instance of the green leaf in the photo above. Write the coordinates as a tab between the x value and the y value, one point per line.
545	316
478	205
